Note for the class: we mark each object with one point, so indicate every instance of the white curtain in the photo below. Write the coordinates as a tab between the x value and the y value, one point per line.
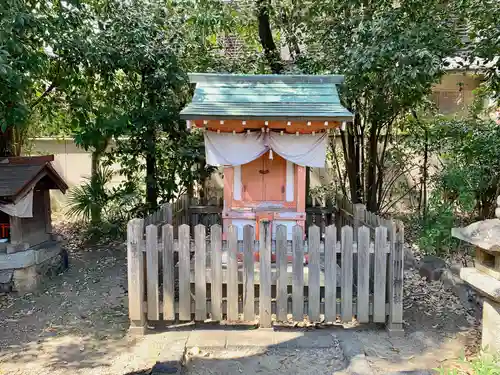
233	149
306	149
237	149
23	207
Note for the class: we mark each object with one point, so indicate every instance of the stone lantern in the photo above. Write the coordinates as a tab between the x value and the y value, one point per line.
485	275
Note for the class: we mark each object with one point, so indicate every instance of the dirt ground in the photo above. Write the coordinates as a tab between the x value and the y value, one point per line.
77	322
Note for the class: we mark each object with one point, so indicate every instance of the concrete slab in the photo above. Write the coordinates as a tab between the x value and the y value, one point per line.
312	339
207	339
253	338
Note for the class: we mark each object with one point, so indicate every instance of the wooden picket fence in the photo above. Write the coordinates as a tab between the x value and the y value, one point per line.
172	279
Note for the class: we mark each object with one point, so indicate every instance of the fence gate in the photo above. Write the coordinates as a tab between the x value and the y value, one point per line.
206	277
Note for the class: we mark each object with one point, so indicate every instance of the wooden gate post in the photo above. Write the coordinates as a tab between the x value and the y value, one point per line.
135	269
395	273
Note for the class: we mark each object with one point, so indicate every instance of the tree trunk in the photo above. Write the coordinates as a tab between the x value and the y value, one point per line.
96	209
266	37
151	185
425	173
6	143
371	173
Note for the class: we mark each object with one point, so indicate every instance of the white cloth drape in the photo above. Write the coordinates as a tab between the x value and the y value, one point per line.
236	149
307	150
22	208
233	149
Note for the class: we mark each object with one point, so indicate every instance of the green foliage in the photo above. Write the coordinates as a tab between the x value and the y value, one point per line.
83	198
116	205
484	32
391	56
484	365
471	173
435	229
466	183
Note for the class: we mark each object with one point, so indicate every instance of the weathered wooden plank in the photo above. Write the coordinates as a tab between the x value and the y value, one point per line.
152	272
184	269
363	274
135	268
347	271
168	272
167	213
232	273
199	272
330	274
396	262
298	273
216	269
380	274
314	271
281	265
248	273
265	275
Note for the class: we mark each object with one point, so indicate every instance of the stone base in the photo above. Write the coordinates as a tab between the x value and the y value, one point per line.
395	329
490	341
30	267
137	328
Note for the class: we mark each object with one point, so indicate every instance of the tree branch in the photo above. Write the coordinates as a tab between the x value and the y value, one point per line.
47	91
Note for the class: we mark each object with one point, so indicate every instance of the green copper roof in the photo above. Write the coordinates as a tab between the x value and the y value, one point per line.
279	97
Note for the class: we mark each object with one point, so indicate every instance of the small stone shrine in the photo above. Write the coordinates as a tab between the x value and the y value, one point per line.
28	249
485	275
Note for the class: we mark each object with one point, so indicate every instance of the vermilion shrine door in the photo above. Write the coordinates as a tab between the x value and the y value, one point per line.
264	179
252	180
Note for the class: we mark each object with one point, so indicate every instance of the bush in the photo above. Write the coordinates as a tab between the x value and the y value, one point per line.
117	205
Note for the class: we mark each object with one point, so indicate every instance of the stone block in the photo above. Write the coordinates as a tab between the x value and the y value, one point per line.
25	279
431	267
409	259
17	247
490	341
6	280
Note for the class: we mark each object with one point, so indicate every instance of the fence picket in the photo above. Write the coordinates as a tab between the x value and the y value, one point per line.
232	273
347	268
216	268
152	272
184	273
248	273
265	274
282	266
396	276
135	269
379	287
168	272
313	273
199	272
363	284
331	274
298	273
